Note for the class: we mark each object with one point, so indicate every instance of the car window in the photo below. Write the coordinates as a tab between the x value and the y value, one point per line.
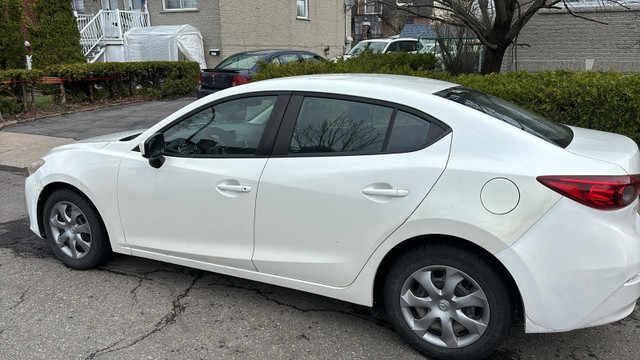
373	46
310	58
406	46
287	58
331	125
232	127
240	61
409	133
511	114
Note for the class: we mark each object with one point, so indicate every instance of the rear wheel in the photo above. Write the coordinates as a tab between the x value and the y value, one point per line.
74	230
448	303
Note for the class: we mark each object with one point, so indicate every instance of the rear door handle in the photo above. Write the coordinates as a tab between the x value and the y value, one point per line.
236	188
385	192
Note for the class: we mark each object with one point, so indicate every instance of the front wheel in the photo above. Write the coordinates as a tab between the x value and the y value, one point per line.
448	303
74	230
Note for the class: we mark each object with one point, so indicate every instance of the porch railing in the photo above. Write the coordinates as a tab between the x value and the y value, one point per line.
108	25
91	34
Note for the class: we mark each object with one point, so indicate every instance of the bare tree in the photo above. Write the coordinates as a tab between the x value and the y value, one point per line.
496	23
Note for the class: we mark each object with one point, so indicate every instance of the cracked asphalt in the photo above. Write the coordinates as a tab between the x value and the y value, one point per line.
133	308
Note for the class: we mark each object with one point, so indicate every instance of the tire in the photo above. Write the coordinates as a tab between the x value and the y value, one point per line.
447	302
74	230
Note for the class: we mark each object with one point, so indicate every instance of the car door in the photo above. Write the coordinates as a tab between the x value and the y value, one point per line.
199	204
345	173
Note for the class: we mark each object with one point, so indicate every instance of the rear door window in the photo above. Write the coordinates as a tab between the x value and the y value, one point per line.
340	126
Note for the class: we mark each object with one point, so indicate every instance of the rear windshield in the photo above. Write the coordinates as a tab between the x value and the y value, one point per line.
240	61
511	114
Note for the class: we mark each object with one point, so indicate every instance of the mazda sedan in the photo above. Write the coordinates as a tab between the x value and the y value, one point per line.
458	211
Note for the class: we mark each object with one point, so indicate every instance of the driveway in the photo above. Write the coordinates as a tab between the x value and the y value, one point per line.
139	308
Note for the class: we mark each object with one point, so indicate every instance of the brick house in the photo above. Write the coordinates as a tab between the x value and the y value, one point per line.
556	39
230	26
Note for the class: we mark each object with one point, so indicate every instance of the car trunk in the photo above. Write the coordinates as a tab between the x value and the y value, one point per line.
612	148
219	78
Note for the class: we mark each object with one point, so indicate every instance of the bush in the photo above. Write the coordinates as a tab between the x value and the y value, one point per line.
390	63
90	82
55	38
607	101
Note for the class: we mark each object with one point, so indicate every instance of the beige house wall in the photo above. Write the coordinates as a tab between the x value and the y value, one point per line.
556	39
272	24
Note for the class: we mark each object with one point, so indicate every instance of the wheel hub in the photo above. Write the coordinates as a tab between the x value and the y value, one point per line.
443	305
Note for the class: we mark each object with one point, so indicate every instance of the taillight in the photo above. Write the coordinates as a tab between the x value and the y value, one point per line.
199	78
599	192
239	80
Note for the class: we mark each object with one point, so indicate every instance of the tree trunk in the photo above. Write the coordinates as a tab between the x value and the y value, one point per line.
492	60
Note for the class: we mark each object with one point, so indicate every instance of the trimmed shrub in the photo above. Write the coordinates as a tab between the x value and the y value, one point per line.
90	82
55	39
12	55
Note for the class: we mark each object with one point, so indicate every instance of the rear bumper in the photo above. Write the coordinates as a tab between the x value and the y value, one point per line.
202	91
586	273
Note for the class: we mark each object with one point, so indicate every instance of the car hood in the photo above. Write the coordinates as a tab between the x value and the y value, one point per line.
95	142
604	146
112	137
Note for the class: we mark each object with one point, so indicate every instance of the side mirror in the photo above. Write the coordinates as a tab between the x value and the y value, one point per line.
153	149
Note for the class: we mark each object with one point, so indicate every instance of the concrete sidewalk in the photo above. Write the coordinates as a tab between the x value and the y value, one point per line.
23	143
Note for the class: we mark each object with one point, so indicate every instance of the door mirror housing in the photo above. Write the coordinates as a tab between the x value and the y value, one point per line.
153	149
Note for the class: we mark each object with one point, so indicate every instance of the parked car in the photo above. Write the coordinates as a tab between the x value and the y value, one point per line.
240	68
453	208
384	45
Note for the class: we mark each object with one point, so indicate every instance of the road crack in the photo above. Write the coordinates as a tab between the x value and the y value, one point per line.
21	299
354	310
178	307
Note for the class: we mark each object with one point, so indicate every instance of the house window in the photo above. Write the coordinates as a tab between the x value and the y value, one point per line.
180	4
403	3
78	6
303	9
372	7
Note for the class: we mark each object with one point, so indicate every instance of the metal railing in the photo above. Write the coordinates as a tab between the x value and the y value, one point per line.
91	34
108	25
83	20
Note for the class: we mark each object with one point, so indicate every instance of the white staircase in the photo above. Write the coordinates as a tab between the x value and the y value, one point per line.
107	28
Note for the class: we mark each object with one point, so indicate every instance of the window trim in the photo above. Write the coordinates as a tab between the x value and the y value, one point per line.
376	4
305	16
181	8
437	131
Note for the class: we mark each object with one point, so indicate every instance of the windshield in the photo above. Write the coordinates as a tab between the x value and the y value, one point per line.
511	114
240	61
374	46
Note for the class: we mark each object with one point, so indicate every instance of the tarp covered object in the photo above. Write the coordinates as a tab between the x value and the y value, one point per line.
164	43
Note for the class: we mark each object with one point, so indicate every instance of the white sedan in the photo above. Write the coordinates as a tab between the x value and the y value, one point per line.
456	210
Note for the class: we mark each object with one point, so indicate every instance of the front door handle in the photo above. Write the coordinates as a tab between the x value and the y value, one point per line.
236	188
385	192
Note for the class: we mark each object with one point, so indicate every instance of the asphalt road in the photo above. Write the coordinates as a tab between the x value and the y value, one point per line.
134	308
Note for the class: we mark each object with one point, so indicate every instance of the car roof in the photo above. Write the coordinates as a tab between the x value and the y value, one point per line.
390	39
377	86
274	52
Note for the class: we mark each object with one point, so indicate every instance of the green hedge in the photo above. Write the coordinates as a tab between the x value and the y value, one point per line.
607	101
90	82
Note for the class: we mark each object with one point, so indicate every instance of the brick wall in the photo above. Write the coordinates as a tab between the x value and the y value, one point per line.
558	40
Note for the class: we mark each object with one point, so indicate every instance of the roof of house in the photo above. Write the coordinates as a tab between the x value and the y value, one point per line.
418	30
